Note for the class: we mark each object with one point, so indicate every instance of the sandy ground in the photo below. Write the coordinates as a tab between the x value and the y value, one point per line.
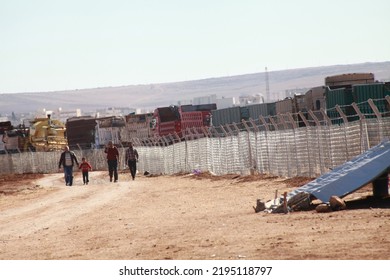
184	216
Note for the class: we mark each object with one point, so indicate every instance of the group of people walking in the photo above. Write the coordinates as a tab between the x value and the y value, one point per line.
68	160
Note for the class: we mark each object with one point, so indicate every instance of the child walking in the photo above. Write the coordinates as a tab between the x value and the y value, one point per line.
85	167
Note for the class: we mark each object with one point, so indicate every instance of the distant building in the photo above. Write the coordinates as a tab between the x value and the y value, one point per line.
114	111
297	91
184	102
205	100
226	102
251	99
62	115
142	111
119	111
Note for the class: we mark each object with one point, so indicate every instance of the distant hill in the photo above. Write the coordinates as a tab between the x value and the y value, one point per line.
158	95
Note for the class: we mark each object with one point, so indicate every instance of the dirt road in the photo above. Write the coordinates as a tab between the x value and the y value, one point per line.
178	217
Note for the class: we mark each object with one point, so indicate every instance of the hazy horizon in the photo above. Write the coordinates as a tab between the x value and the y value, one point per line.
159	95
185	81
67	45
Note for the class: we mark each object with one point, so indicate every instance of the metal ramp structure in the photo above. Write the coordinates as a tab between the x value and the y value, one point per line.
371	166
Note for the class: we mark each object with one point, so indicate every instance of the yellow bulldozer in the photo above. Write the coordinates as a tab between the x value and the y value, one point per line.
47	134
43	134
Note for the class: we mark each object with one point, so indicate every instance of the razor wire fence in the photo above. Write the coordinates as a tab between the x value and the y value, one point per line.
286	145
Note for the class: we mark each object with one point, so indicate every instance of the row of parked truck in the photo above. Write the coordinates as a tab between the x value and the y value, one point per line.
188	121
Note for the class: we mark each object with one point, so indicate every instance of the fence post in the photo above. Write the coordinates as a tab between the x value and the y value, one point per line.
295	139
276	129
205	131
318	127
250	159
364	141
303	119
229	130
271	118
266	126
255	130
378	117
283	122
291	119
341	113
326	118
345	119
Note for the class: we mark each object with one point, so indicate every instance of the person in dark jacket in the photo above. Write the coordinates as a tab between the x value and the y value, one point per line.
68	159
131	159
112	160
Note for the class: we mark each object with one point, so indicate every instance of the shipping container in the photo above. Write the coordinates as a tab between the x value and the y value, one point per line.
109	129
200	107
299	103
342	97
80	131
285	106
347	80
183	120
225	116
5	126
271	107
196	116
137	126
257	110
376	92
386	88
315	99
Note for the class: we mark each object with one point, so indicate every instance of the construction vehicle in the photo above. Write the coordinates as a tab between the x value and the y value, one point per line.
13	139
47	134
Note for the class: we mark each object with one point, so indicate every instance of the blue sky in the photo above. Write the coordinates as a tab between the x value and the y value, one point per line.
49	45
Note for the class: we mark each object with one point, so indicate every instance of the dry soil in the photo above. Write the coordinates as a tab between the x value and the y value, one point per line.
185	216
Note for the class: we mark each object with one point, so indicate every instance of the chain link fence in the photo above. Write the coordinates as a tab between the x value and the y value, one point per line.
278	145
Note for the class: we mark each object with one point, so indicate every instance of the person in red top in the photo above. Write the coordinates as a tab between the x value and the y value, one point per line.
112	160
85	167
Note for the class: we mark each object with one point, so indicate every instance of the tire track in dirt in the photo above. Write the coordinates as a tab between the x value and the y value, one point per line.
60	206
178	217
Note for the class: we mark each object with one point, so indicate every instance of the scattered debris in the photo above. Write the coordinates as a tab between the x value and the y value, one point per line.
260	206
274	206
336	203
323	208
299	202
196	171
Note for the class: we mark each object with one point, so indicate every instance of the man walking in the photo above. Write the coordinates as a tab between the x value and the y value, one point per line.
131	159
112	160
67	160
